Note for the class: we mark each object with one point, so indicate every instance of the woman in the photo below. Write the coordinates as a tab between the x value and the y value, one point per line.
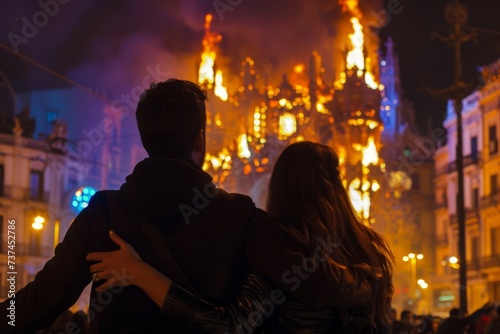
307	196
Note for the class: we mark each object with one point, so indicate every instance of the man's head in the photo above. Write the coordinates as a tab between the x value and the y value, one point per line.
454	313
171	118
407	317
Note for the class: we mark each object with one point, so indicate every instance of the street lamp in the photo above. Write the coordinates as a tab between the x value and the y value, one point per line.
38	225
412	258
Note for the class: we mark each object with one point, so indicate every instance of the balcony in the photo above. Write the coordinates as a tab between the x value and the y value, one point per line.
490	261
489	201
469	160
470	214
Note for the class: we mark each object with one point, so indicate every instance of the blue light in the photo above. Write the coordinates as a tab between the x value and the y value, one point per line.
79	201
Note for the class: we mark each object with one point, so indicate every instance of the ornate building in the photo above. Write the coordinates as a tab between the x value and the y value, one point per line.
481	130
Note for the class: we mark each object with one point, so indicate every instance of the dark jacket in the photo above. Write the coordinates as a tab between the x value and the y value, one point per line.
215	237
260	306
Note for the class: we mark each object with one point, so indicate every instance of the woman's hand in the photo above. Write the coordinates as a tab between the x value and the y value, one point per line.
118	268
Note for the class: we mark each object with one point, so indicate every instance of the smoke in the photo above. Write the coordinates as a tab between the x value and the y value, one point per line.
107	44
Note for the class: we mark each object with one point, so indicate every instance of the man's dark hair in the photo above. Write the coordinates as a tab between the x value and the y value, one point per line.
169	116
454	312
405	314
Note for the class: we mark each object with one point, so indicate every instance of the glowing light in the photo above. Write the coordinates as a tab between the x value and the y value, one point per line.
320	107
406	258
411	255
220	91
216	163
283	102
206	71
351	6
38	223
420	256
370	154
453	260
287	125
82	197
375	186
355	57
299	68
243	149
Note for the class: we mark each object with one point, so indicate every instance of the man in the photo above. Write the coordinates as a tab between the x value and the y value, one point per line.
405	325
215	238
454	324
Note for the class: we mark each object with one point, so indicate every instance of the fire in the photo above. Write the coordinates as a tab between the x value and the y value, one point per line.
355	57
287	125
351	6
243	149
206	71
220	91
370	155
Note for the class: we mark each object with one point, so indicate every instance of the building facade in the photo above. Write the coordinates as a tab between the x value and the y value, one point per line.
481	130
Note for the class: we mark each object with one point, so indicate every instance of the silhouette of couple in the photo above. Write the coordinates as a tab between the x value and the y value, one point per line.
162	260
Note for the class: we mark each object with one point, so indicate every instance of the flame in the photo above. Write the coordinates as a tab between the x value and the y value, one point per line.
355	57
299	68
370	154
351	6
288	125
243	150
220	91
206	71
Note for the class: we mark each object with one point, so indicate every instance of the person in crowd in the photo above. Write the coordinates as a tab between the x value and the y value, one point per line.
453	324
494	326
489	314
405	325
213	239
307	197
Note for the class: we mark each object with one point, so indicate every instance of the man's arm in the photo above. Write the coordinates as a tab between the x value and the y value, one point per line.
57	286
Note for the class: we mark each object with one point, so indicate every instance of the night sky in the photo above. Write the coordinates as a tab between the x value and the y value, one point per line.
107	45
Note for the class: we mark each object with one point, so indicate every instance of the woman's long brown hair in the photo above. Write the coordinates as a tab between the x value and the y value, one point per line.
307	195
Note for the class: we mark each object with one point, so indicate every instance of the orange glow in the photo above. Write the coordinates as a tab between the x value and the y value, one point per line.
370	154
220	91
299	68
206	72
355	57
351	6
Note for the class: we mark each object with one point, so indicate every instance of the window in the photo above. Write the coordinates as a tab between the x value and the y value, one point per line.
492	138
473	147
475	198
36	185
2	174
494	184
495	241
474	248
